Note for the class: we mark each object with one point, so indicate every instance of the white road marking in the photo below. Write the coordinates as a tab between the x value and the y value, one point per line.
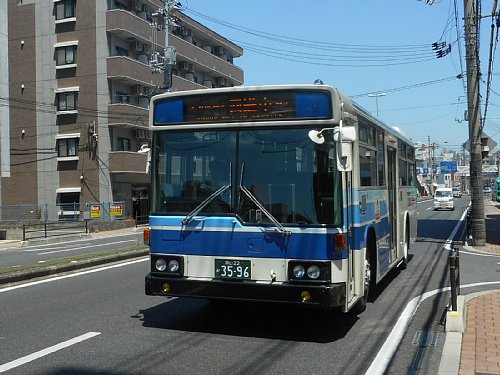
449	241
83	247
386	352
94	270
480	254
42	353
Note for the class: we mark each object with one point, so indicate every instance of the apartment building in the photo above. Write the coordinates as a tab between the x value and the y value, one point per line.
74	114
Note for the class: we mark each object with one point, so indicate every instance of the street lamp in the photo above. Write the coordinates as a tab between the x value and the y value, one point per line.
376	95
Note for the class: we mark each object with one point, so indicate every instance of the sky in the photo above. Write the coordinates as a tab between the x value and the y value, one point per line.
365	47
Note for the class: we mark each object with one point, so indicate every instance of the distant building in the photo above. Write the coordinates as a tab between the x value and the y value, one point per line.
75	87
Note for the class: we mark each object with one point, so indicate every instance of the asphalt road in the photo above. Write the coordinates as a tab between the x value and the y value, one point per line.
100	322
14	256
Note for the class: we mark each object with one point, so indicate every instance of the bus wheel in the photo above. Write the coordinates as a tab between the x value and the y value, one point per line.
360	306
406	246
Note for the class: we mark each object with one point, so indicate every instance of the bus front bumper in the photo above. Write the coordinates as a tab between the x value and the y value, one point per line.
325	296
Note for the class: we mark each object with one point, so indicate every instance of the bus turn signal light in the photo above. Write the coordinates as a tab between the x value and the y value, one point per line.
340	242
146	236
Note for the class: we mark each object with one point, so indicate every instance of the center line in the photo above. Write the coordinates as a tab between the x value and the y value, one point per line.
31	357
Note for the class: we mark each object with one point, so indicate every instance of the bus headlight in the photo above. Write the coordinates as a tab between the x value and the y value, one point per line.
173	265
313	272
161	264
299	271
308	271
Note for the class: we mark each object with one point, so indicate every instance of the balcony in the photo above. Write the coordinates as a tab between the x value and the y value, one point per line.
126	166
132	72
206	61
128	26
126	113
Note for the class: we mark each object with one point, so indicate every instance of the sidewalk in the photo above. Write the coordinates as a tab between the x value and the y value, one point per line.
480	349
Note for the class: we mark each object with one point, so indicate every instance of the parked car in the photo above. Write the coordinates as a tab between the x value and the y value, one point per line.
457	193
487	190
443	199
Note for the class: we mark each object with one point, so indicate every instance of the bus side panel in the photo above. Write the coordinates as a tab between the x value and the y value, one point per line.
372	212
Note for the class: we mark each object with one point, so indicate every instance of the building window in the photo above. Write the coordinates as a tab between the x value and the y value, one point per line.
123	144
65	9
66	55
67	101
67	147
120	51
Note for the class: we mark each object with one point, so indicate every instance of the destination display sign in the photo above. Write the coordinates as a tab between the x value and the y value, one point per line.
228	107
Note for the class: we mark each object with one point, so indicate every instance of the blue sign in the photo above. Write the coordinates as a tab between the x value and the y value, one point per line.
426	170
448	167
418	170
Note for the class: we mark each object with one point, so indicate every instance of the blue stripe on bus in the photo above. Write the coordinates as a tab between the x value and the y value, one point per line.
227	237
219	236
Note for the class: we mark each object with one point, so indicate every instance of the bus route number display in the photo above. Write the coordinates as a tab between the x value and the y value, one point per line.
237	106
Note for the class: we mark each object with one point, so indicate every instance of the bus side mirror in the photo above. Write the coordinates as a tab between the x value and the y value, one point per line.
344	156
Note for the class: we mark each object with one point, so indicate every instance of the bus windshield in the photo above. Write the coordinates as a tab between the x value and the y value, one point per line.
295	180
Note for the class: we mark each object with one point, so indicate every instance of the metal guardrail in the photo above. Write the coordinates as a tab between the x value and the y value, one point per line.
102	211
54	229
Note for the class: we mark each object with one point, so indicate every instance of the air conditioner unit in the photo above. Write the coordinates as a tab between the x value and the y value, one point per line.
137	90
142	134
137	46
184	31
220	50
139	133
221	81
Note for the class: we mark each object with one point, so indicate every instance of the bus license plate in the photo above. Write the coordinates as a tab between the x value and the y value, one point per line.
233	269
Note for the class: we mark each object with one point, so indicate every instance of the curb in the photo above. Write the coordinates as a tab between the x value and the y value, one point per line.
16	276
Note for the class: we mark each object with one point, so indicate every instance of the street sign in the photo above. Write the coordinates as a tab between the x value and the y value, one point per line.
448	167
95	211
117	210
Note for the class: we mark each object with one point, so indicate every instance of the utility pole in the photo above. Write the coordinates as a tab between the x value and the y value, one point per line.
431	162
166	62
478	224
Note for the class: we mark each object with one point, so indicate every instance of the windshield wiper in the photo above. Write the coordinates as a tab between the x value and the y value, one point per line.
202	205
255	201
209	199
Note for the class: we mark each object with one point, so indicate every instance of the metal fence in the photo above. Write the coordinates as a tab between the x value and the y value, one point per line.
98	211
54	229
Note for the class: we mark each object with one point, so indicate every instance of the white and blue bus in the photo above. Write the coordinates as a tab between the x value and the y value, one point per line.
289	194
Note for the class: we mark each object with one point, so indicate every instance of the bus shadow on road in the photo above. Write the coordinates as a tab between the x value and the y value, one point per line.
263	320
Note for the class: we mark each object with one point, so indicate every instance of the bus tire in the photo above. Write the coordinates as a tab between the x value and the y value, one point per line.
406	247
369	283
